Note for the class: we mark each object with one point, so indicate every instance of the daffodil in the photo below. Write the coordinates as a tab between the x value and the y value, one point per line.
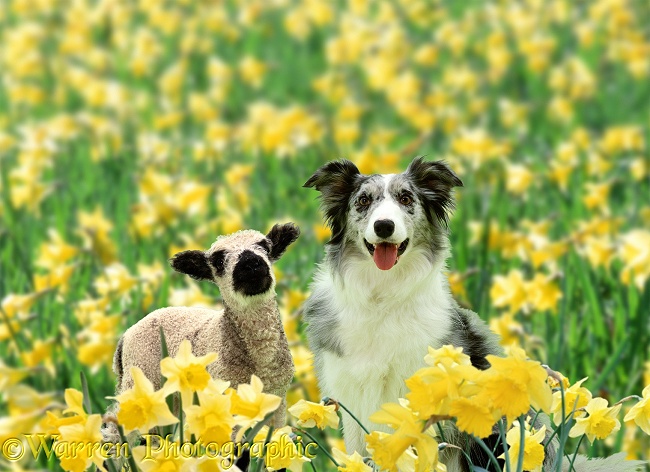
635	254
164	458
87	433
509	330
640	412
433	388
533	447
514	383
600	423
518	179
544	293
186	373
56	252
141	407
281	452
74	401
116	281
386	450
250	404
474	416
10	376
211	420
509	291
311	415
575	397
350	462
447	355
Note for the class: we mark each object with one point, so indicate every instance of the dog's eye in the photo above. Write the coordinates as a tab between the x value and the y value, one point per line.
363	200
406	199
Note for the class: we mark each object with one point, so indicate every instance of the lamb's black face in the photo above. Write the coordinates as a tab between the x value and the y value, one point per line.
240	264
252	274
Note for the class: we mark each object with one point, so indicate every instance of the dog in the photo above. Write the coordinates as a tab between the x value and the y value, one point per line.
381	296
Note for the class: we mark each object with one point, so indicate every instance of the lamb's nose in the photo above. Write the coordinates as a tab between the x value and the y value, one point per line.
384	228
252	274
251	262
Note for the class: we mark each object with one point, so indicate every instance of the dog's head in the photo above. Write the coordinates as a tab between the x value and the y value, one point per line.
386	215
239	263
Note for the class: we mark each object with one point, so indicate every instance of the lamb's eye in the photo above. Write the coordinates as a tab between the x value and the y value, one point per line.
218	261
265	244
363	200
405	199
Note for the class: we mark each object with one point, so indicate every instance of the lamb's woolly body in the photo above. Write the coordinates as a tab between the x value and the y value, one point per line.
253	343
247	334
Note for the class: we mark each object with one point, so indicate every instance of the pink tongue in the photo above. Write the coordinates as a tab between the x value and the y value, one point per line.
385	255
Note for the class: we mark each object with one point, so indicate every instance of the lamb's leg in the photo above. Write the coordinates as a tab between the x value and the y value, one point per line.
110	433
280	417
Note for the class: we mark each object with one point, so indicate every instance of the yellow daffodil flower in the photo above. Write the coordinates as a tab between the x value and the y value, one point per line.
186	373
600	423
311	415
640	412
141	407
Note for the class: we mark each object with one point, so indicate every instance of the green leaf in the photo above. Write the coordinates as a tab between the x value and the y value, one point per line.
84	390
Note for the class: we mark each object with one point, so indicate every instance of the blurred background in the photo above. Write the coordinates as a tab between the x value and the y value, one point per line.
131	130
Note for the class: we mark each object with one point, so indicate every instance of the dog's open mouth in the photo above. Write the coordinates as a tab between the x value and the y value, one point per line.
386	255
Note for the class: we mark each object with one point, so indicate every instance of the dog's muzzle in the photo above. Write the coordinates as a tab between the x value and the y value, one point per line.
386	255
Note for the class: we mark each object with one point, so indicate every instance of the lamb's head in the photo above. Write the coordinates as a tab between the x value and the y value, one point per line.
239	263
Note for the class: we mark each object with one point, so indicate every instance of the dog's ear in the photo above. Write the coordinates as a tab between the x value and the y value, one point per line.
281	236
333	176
336	181
193	263
434	181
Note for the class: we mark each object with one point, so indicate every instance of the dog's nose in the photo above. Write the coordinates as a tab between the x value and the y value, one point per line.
384	228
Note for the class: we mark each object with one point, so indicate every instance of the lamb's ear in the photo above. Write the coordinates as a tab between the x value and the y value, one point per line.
281	236
434	182
336	182
193	263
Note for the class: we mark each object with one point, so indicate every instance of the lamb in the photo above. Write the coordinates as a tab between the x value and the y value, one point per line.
247	334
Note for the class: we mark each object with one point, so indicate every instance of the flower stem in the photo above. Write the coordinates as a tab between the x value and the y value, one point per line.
130	458
502	430
575	454
302	431
522	443
629	397
181	425
442	433
355	418
328	400
261	460
489	452
558	467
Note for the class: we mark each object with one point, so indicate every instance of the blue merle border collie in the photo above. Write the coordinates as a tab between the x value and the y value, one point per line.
380	297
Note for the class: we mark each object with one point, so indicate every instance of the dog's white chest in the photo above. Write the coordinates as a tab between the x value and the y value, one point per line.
382	345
